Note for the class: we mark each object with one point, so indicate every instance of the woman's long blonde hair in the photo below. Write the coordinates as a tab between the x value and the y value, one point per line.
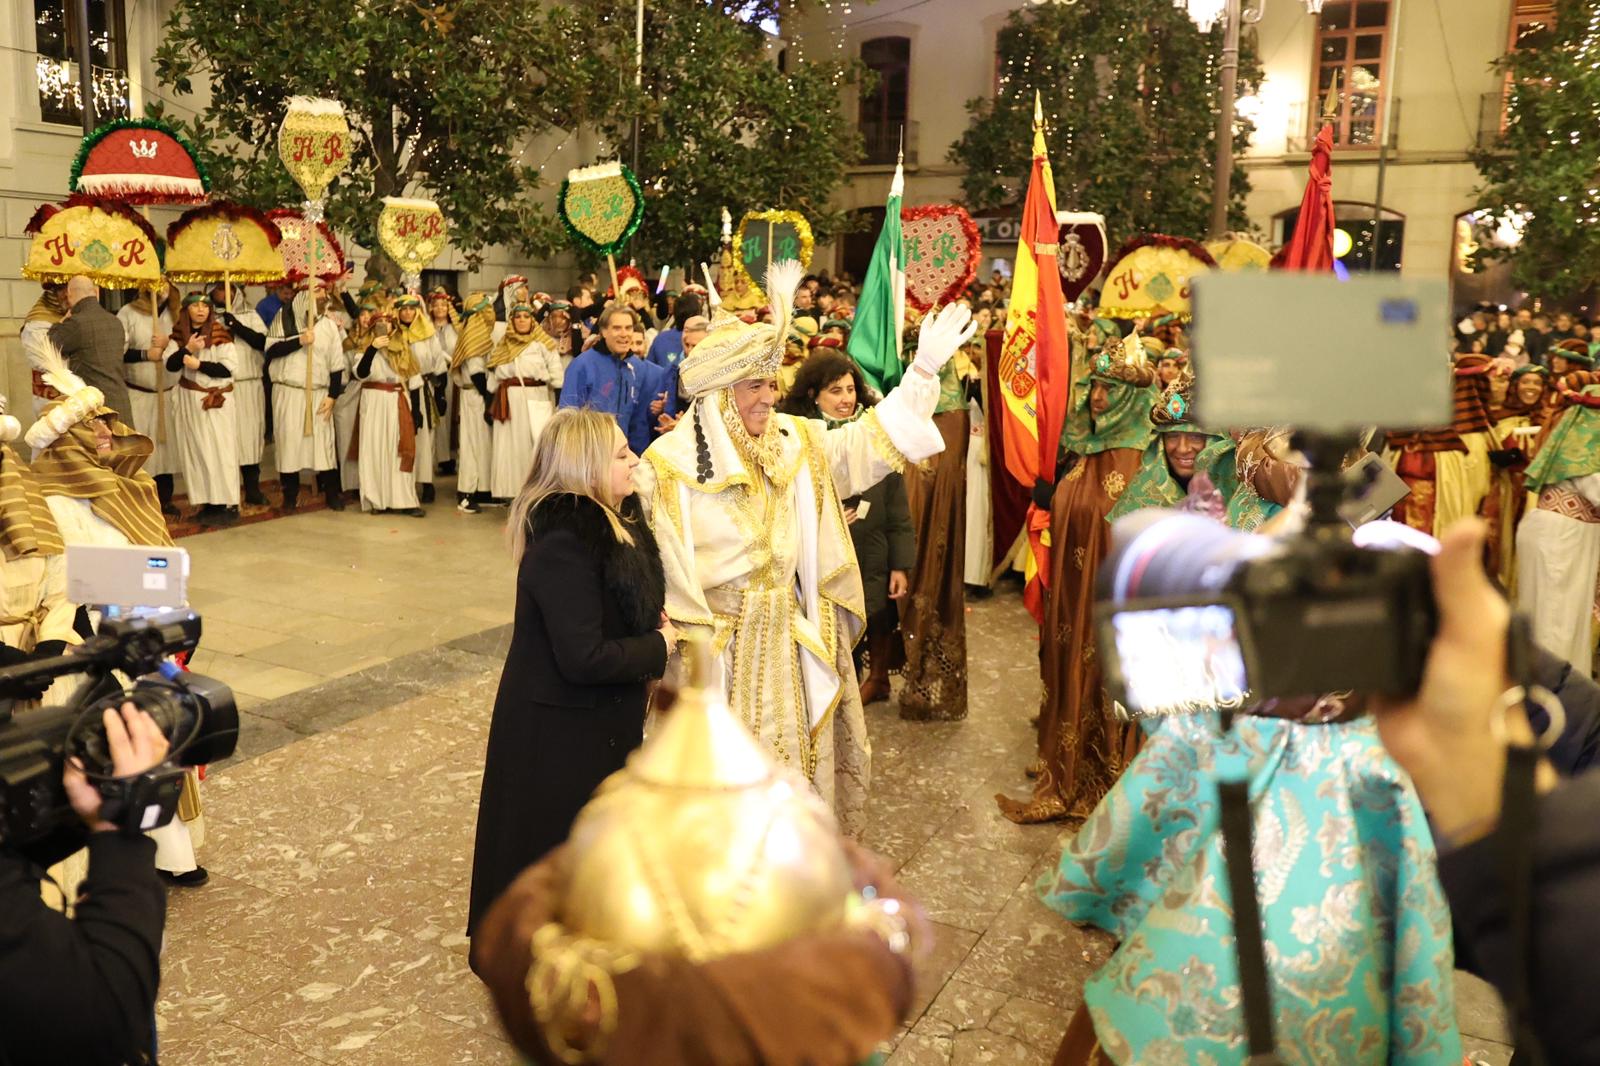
573	455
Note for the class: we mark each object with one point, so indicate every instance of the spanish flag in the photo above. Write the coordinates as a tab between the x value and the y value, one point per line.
1035	363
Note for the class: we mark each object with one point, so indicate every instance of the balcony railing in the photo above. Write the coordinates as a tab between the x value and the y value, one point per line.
880	143
1356	131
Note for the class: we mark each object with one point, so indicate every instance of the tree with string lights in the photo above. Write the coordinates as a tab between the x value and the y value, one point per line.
446	96
723	123
1542	175
1130	97
444	100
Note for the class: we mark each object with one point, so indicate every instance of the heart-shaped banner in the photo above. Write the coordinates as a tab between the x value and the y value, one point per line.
940	247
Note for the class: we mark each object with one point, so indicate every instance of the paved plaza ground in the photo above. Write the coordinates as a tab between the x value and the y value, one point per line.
366	652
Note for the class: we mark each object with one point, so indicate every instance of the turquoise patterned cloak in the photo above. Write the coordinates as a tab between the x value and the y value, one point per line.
1357	927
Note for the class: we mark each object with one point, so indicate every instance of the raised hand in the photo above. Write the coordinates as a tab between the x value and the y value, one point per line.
942	334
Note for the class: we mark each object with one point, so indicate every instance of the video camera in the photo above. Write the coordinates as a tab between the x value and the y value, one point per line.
196	714
1194	616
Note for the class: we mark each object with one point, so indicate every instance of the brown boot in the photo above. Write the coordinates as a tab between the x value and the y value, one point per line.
875	688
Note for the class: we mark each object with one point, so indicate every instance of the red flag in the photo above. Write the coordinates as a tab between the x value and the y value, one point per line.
1311	247
1035	360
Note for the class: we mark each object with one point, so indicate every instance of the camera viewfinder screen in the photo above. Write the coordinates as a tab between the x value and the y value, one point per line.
1177	660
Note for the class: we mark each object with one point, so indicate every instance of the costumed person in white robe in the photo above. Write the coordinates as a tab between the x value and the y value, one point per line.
88	467
447	328
204	350
151	390
745	505
48	310
249	394
346	409
523	368
391	407
1558	542
307	379
432	365
469	374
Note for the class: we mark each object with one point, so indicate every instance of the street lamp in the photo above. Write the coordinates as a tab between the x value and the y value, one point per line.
1231	13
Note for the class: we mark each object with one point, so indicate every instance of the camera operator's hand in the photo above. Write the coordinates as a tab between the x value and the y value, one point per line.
1443	737
136	745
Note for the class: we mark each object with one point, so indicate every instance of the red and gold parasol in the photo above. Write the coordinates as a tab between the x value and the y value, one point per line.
105	240
139	161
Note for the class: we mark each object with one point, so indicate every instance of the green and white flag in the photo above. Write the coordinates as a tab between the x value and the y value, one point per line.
875	336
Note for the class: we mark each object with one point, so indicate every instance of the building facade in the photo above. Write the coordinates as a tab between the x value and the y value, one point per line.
1419	74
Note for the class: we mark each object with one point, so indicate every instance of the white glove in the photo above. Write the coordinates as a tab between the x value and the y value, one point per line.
941	336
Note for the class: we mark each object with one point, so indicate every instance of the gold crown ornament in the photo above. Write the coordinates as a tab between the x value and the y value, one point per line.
1174	411
702	846
1124	364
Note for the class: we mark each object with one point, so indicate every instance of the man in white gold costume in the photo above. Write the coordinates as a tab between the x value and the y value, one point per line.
745	505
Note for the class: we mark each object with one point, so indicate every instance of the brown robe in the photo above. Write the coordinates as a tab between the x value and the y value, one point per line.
1082	748
934	618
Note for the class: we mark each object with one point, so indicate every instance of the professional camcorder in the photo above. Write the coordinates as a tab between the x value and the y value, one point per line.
195	713
1195	616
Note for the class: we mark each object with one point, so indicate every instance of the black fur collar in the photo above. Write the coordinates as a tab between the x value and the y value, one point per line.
632	575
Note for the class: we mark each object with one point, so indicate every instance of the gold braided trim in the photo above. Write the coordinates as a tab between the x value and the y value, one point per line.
567	972
882	443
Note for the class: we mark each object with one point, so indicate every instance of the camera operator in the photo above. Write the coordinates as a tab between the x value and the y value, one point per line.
82	990
1447	740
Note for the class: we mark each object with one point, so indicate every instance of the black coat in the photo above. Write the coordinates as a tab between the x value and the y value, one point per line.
884	539
82	990
571	704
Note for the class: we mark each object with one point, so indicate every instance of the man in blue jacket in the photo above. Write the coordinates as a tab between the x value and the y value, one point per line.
606	377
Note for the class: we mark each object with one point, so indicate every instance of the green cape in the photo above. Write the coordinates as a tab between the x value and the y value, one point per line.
1572	449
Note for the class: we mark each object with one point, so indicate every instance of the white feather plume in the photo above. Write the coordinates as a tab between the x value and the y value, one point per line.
713	297
783	277
43	354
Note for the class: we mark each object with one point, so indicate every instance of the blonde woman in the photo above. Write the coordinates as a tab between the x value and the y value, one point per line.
590	635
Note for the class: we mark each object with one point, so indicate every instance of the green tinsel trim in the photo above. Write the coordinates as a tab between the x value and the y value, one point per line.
158	125
627	231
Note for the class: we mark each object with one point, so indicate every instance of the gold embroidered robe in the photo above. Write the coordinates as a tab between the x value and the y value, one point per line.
759	560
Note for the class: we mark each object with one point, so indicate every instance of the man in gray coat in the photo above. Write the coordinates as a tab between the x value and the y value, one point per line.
94	343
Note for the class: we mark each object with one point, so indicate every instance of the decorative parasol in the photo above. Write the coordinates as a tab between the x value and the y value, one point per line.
1151	275
940	247
766	236
224	242
413	233
314	144
139	161
103	239
601	207
1081	258
305	243
1237	253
